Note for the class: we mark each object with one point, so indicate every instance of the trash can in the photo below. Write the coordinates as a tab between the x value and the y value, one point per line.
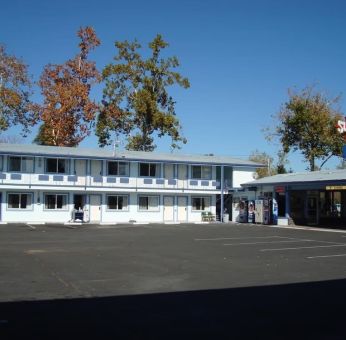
225	218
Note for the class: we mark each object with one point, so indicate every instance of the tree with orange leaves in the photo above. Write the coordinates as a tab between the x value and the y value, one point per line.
15	90
68	113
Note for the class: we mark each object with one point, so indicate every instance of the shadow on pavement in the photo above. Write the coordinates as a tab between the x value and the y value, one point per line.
315	310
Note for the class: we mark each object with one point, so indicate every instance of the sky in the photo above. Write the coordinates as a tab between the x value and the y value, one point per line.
241	57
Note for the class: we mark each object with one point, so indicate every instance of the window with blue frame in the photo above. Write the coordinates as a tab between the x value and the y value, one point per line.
149	170
56	165
21	201
201	172
117	202
20	164
118	168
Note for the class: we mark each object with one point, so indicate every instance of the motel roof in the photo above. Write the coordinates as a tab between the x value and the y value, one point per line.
107	154
300	178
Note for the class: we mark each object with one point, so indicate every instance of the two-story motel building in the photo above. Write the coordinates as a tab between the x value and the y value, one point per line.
49	184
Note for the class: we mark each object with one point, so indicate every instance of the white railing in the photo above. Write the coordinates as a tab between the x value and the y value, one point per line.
106	181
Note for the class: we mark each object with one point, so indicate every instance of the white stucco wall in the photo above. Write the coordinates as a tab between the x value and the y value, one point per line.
242	175
38	213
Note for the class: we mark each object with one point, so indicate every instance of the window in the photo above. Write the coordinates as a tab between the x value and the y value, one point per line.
56	165
118	202
118	168
200	172
148	203
149	170
200	203
21	164
55	201
19	201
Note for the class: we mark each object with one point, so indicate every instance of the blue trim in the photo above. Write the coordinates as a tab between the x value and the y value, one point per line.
111	180
124	180
205	183
172	182
16	176
160	181
192	182
148	181
97	179
72	178
2	176
58	178
43	177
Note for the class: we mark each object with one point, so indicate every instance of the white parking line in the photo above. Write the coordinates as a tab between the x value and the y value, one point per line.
335	255
31	227
329	246
263	242
237	238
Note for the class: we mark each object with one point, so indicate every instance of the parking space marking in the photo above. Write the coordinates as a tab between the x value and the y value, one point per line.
31	227
266	242
335	255
237	238
329	246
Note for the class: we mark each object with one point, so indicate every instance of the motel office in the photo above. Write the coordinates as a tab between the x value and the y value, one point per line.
61	184
311	198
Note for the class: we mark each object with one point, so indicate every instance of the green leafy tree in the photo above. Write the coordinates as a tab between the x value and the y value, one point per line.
15	90
307	122
136	102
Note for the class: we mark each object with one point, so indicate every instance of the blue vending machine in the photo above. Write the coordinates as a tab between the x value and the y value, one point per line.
275	211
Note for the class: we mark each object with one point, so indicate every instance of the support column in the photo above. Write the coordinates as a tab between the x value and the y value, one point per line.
222	189
287	203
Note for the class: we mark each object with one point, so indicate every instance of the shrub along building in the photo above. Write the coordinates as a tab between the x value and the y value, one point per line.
60	184
310	198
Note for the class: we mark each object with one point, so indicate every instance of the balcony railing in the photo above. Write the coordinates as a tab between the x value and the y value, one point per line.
59	180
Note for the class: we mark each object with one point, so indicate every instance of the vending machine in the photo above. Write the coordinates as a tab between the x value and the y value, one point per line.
275	211
259	211
266	211
243	211
251	211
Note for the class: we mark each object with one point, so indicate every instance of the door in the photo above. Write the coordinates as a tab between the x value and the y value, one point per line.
96	172
169	171
80	170
95	208
168	208
312	210
182	175
182	209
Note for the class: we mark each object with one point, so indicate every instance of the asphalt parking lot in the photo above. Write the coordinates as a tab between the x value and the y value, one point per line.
168	281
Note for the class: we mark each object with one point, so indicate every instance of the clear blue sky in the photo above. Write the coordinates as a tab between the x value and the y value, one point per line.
240	56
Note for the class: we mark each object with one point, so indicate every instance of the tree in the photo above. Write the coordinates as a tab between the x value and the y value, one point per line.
135	98
68	113
263	158
307	122
15	90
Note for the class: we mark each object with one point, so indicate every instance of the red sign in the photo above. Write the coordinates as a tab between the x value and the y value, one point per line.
280	189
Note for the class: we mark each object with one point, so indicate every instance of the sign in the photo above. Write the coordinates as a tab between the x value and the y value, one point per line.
341	126
336	187
280	189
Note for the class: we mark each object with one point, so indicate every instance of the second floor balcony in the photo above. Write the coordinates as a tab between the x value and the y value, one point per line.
66	180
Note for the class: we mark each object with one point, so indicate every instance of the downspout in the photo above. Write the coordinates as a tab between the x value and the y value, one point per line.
222	189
